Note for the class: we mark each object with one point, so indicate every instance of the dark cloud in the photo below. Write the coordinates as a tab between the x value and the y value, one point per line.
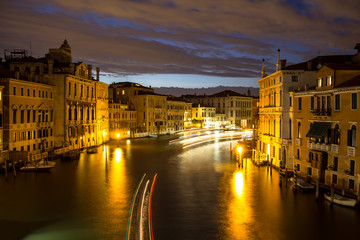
227	38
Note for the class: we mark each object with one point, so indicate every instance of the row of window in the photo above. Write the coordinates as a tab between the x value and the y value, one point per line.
41	93
39	147
29	116
82	94
122	115
30	135
75	116
323	102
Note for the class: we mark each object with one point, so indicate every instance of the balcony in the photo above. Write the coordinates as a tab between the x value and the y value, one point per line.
324	112
334	148
298	142
351	151
325	147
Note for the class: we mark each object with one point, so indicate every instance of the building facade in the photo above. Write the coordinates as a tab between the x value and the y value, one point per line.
235	106
326	127
275	104
176	114
29	118
203	116
122	120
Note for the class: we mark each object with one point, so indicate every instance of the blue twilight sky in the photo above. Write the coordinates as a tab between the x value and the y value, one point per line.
182	43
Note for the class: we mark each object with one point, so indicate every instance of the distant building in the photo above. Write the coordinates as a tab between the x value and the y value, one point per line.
177	113
203	116
151	108
187	115
235	106
326	128
102	112
122	120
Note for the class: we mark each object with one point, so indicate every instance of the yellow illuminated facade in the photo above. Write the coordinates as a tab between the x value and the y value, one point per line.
326	128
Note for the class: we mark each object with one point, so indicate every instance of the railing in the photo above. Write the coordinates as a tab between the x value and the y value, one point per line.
351	151
334	148
322	112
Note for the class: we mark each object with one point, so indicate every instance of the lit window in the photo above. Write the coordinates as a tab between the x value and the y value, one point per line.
328	81
319	82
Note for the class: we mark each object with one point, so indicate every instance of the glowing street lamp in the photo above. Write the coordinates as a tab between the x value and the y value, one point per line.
118	136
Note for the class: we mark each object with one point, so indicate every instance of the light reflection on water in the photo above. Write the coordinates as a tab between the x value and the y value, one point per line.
200	194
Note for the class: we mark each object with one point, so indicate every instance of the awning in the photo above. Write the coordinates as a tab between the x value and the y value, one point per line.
318	129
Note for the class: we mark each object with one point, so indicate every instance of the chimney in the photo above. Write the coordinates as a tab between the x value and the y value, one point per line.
283	63
90	71
97	74
263	69
278	65
309	64
50	66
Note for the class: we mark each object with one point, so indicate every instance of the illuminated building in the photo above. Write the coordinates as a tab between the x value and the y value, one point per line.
75	96
175	114
187	115
326	127
203	116
235	106
102	112
122	120
275	105
151	107
28	127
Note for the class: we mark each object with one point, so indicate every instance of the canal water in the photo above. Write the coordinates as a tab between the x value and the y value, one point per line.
200	193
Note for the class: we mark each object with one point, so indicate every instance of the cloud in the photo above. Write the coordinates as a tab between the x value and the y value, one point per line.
227	38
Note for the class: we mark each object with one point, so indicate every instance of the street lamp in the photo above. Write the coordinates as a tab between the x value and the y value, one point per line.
118	136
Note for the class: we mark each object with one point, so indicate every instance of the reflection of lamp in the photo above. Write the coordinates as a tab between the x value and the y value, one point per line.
118	136
118	155
239	183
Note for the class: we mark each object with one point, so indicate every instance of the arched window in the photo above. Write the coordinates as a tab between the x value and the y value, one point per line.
299	130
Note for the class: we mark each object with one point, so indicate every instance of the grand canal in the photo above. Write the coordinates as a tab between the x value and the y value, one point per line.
199	194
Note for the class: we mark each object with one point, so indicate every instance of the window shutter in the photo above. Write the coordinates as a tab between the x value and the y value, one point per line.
349	138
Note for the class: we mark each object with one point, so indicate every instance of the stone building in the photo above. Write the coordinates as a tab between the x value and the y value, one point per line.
235	106
151	107
203	116
122	120
176	114
102	112
29	116
275	118
326	128
75	118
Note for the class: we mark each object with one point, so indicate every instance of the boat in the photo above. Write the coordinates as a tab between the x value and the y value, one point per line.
39	166
341	200
302	185
153	136
92	150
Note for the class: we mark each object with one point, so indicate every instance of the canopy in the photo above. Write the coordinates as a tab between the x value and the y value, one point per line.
318	129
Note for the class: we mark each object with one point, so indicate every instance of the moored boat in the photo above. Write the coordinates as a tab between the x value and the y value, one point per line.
302	185
341	200
39	166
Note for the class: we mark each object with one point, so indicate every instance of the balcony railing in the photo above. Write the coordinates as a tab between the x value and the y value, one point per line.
334	148
322	112
351	151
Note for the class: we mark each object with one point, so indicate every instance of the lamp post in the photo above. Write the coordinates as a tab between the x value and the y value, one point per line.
118	137
239	150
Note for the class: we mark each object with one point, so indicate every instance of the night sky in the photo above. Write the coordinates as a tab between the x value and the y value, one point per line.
182	43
